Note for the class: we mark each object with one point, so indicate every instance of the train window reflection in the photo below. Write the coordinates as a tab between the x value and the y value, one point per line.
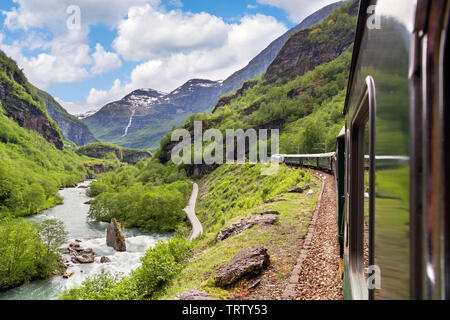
366	195
361	188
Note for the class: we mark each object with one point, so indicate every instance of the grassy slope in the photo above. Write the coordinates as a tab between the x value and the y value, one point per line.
233	192
28	161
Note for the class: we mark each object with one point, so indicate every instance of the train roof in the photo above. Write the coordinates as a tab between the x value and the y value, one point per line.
319	155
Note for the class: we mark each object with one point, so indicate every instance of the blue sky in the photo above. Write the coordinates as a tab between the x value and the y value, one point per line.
123	45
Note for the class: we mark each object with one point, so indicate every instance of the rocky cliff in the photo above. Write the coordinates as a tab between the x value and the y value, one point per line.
71	127
262	61
21	103
306	49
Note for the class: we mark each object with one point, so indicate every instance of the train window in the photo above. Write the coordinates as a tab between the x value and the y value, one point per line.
361	193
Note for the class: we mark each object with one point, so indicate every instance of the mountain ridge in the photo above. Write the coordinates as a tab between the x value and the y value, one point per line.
71	127
140	126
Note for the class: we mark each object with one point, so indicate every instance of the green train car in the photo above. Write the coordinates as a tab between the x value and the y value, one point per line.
393	156
392	159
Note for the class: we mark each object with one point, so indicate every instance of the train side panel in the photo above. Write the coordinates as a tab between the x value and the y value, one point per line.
377	213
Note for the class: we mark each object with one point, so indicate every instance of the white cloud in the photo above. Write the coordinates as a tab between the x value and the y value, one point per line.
104	61
97	98
298	10
243	42
251	6
72	107
64	55
148	33
52	13
65	61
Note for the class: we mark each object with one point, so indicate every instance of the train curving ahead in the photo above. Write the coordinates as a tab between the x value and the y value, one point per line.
392	163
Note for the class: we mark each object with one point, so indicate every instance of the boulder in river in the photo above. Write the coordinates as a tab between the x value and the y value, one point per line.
248	263
80	255
84	256
193	295
115	237
105	260
245	224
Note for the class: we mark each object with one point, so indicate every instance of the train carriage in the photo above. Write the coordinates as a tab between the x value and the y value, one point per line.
395	219
392	159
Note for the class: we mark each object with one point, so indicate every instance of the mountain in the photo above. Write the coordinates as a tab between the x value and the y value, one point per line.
21	103
302	93
262	61
71	127
33	160
141	118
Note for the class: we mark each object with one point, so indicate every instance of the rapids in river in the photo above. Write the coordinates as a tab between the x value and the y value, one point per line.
74	213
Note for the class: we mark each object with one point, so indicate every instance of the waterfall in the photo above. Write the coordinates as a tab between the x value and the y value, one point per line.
129	123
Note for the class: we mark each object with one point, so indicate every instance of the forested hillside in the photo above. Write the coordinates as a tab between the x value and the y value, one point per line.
33	165
33	161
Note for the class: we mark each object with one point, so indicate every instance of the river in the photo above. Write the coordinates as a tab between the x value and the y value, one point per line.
93	235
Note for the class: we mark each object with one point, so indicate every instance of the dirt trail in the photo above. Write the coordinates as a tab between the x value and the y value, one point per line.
197	228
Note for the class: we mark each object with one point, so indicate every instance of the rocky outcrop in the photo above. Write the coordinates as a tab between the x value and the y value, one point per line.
105	260
29	116
245	224
248	264
299	189
80	255
97	168
134	156
104	150
115	237
193	295
274	200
